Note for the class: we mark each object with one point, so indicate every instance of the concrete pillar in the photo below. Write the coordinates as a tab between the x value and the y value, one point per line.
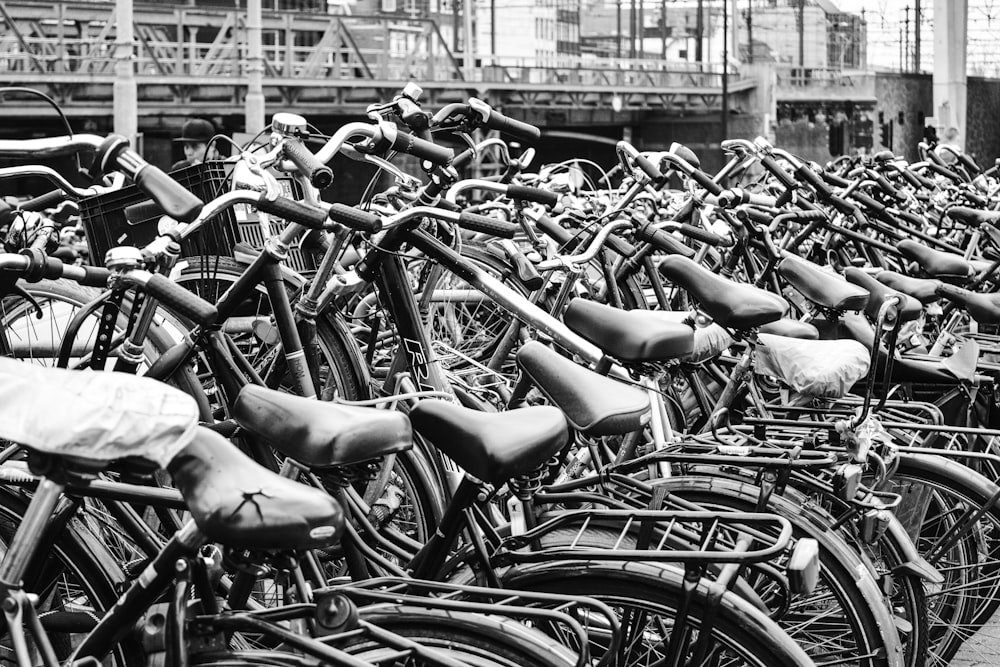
254	102
124	90
950	45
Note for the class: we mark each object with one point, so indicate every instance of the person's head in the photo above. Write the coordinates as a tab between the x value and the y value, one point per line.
951	134
195	135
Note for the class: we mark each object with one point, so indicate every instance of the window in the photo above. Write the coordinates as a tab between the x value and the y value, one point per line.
388	5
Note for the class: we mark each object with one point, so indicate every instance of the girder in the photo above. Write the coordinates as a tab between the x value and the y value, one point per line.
194	60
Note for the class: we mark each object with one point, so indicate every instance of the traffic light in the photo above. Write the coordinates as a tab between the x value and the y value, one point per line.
885	135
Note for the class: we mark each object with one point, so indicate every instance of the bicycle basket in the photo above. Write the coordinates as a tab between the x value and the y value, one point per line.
104	218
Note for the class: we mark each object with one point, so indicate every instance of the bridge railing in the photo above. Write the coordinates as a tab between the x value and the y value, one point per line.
78	38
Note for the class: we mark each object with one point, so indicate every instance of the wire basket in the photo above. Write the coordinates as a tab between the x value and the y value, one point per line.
107	225
252	231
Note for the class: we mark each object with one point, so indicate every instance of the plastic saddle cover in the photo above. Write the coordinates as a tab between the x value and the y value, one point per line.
817	368
710	340
93	415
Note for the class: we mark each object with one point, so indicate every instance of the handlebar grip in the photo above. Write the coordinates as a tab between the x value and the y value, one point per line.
651	169
425	150
289	209
772	166
176	201
706	182
95	276
912	218
143	211
42	202
969	164
356	219
320	175
486	225
823	191
703	235
183	301
552	229
661	240
889	188
619	245
537	195
515	128
833	179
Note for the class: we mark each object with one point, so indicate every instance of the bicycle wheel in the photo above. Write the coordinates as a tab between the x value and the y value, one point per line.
950	513
845	618
475	639
76	580
646	597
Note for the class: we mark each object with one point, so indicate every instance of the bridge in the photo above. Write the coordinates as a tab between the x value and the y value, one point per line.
194	60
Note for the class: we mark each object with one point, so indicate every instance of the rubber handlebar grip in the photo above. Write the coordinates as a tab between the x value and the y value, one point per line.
553	230
772	166
703	235
649	168
619	245
176	201
486	225
320	175
515	128
662	241
42	202
293	211
706	182
537	195
143	211
185	302
356	219
95	276
425	150
807	175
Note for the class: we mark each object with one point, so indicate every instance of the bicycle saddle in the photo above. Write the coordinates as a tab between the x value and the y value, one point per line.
826	290
593	404
921	289
790	329
95	417
730	304
909	309
317	433
983	308
492	446
629	335
974	216
238	502
936	263
904	368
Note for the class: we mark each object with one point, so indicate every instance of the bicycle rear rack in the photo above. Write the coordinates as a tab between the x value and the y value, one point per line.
656	535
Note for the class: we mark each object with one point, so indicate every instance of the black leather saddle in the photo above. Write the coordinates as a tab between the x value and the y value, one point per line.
983	308
238	502
629	335
317	433
492	446
909	308
593	404
730	304
826	290
923	290
936	263
791	329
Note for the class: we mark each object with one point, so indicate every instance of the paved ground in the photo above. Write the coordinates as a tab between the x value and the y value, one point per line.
983	650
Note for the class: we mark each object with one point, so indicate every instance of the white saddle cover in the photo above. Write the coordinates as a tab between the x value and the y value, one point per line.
818	368
94	415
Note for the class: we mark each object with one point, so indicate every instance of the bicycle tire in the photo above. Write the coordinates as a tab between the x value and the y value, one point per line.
648	595
969	597
477	639
76	573
848	578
